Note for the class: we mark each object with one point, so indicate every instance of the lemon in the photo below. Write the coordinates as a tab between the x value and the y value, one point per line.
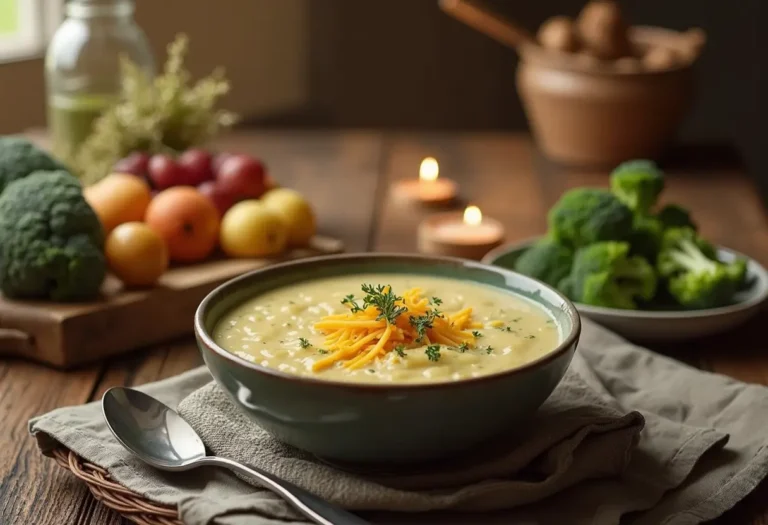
295	211
250	229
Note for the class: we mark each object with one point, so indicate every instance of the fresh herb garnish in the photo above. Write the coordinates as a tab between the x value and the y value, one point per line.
488	349
304	342
349	300
423	322
436	301
506	329
400	350
463	347
477	334
371	371
517	319
322	351
433	352
530	336
385	301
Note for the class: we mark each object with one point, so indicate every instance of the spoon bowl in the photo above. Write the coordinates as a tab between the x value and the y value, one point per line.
151	430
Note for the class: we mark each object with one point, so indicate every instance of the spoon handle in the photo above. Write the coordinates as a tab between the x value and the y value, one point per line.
477	16
317	509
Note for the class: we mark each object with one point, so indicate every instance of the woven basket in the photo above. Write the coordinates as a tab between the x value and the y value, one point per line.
131	505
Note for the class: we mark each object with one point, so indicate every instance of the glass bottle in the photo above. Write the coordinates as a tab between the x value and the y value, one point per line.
82	66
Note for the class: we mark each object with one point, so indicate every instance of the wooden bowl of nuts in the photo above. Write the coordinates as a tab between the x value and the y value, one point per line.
596	90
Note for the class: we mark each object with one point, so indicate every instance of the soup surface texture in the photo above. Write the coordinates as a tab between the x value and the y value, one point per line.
403	329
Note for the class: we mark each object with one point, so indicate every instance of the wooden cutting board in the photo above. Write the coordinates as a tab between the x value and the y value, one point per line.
66	335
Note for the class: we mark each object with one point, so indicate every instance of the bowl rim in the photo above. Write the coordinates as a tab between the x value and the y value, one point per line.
570	340
748	304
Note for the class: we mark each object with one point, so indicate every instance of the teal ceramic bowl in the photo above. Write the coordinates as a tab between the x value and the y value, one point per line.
378	423
666	326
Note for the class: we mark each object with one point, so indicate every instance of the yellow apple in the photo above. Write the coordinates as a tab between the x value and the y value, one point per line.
250	229
295	211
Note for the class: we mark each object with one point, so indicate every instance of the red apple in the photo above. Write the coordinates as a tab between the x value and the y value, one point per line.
222	200
197	164
136	163
165	172
241	175
218	160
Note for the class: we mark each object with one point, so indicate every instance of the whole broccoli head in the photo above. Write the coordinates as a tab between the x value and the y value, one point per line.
604	274
638	184
584	216
51	241
674	216
19	158
696	278
547	261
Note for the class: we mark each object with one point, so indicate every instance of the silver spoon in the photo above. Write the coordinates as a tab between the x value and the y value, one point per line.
160	437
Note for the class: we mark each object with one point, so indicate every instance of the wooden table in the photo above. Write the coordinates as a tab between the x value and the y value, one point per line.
347	176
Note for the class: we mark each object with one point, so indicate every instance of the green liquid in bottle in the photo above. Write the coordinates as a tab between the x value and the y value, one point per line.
70	119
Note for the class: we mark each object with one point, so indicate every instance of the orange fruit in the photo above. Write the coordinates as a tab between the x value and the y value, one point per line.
187	221
118	198
136	254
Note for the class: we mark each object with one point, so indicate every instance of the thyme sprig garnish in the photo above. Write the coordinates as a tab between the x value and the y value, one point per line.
349	300
433	352
424	322
384	299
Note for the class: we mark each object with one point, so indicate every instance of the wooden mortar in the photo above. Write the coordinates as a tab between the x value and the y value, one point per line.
591	113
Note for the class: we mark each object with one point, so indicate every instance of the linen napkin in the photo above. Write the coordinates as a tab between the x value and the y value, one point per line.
702	449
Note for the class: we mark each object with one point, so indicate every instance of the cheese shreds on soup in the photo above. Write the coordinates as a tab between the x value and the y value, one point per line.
382	328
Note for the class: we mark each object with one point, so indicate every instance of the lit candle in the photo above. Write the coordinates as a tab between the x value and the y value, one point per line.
468	235
430	188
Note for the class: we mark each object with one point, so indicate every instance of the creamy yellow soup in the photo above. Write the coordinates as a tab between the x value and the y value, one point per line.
278	330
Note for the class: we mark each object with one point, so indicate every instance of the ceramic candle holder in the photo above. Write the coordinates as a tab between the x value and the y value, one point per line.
439	192
454	235
429	189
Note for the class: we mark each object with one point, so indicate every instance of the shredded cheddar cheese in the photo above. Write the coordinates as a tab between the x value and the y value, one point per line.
365	333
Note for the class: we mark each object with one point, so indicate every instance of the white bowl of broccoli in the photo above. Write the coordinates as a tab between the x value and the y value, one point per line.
645	273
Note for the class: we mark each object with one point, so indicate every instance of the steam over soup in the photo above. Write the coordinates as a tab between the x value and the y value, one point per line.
382	328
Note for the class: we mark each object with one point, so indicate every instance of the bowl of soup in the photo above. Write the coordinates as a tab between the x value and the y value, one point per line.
376	358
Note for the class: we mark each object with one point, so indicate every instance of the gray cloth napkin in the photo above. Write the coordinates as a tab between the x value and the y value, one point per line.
701	449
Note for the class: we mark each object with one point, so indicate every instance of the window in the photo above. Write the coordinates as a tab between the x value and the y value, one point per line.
26	26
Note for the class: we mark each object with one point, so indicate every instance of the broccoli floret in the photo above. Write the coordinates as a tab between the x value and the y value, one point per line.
645	240
696	278
19	158
51	241
584	216
674	216
638	184
604	274
547	261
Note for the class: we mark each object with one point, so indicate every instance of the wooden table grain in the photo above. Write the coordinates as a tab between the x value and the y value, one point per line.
347	176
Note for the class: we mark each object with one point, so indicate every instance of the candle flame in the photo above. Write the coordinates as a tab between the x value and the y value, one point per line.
429	169
473	216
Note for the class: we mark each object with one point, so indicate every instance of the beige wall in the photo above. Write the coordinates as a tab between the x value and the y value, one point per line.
261	43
